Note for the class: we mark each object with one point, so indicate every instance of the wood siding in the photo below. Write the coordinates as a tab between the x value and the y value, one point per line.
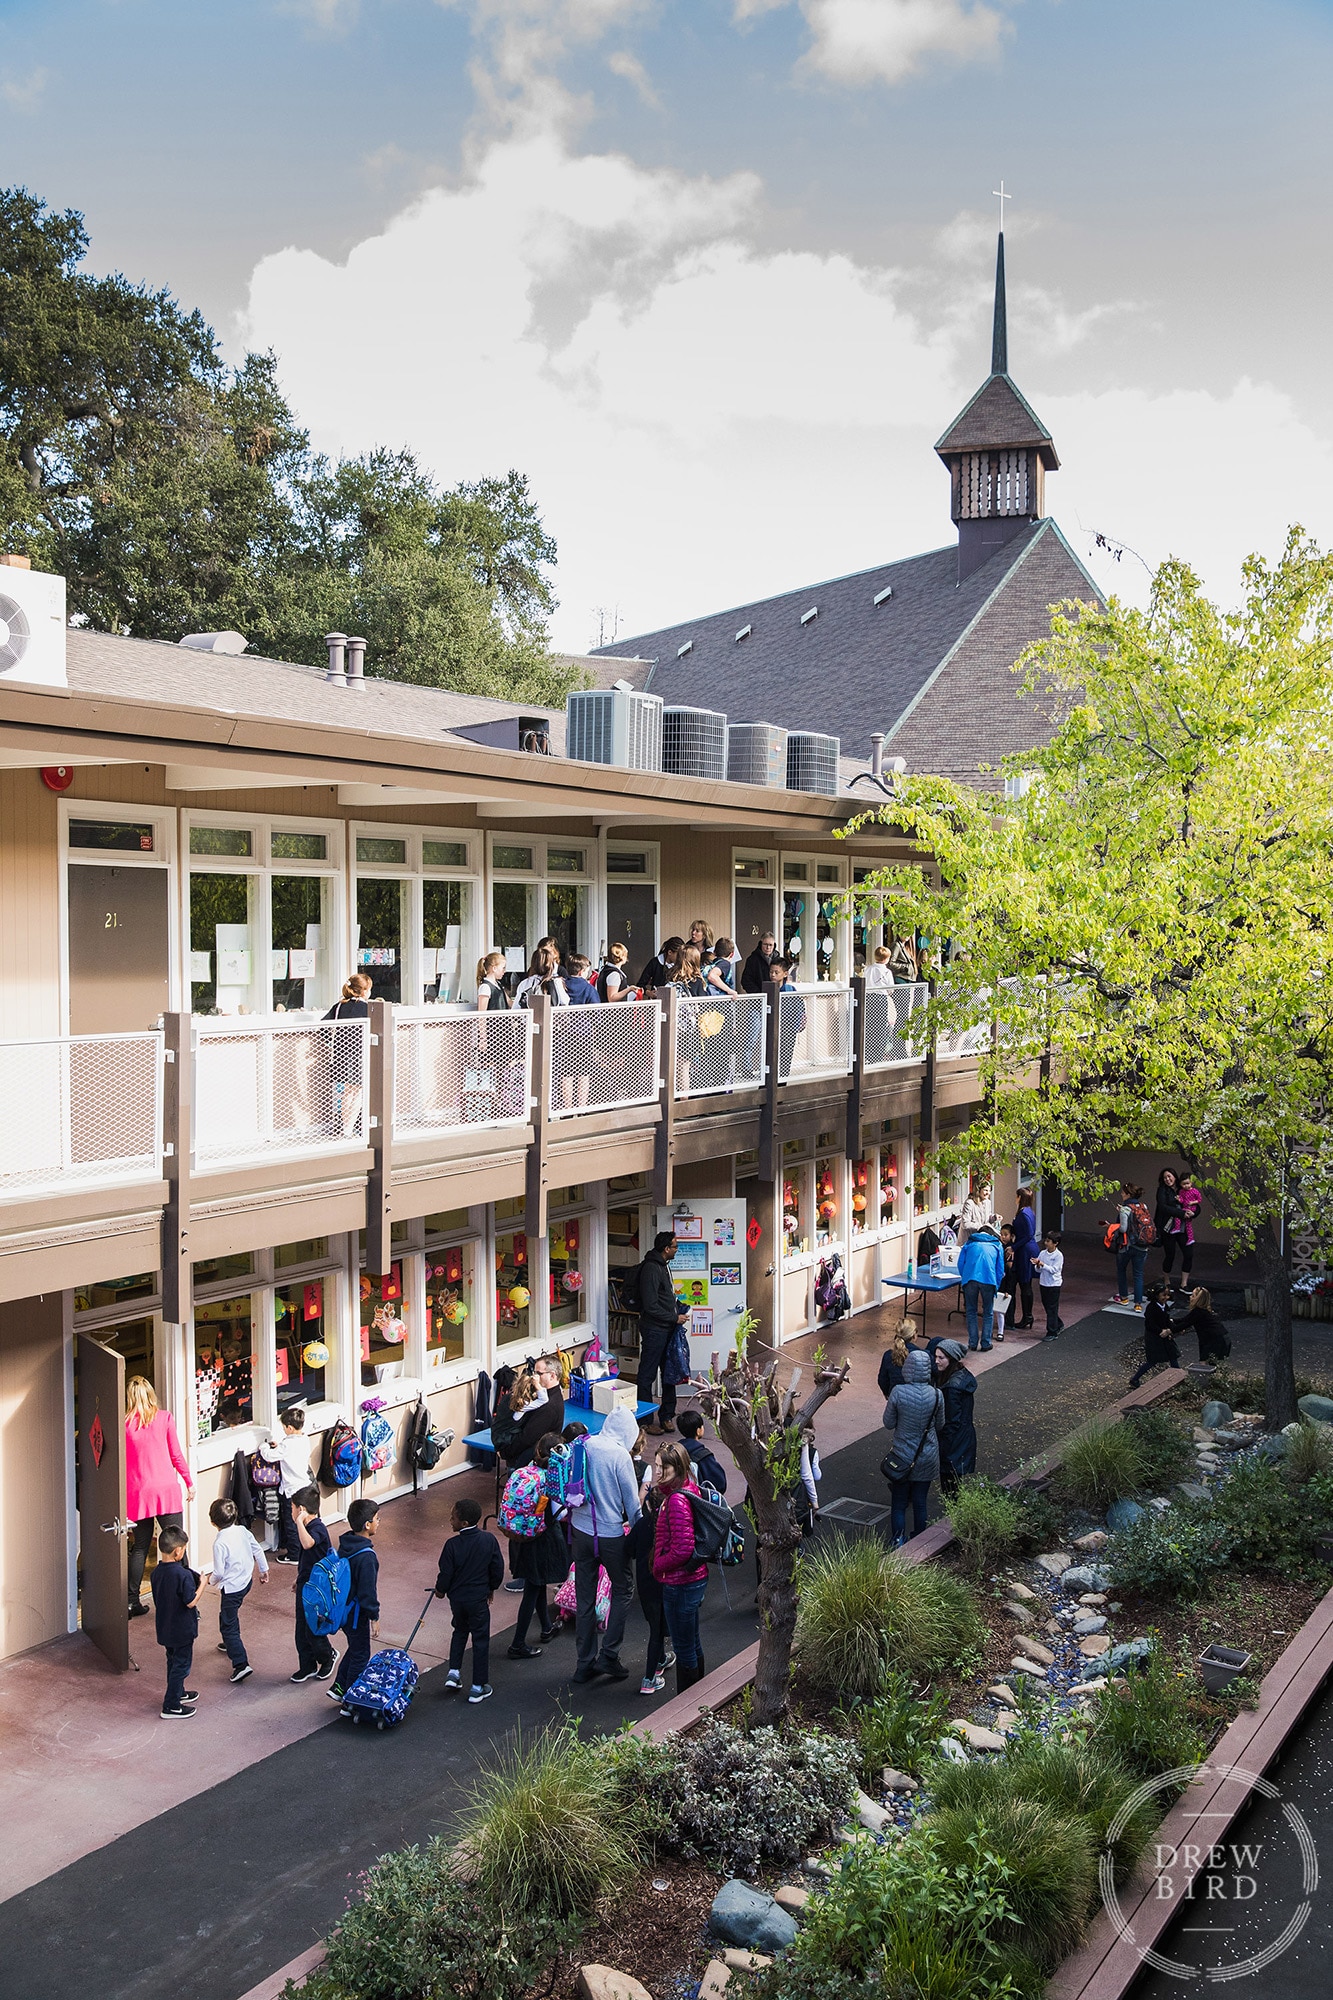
29	908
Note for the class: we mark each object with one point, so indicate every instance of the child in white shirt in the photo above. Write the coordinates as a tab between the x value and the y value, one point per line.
1050	1262
292	1452
236	1557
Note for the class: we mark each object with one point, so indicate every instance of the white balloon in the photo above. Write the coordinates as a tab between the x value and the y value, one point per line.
794	948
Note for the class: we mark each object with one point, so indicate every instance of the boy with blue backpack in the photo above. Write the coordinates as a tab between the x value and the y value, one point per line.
471	1571
361	1623
315	1657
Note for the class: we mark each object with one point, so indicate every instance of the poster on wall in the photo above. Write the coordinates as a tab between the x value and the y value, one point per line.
708	1272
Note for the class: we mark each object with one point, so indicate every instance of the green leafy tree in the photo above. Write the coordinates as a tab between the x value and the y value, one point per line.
1150	924
176	494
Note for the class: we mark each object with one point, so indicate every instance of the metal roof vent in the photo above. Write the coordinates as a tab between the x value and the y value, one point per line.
694	742
214	642
806	616
688	647
883	596
745	632
812	763
757	754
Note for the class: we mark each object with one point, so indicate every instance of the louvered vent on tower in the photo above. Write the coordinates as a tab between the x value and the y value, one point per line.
757	754
812	763
694	742
615	725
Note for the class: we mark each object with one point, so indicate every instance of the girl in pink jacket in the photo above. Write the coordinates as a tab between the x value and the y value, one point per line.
683	1579
155	1469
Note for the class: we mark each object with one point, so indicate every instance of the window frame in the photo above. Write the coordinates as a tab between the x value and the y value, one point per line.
262	866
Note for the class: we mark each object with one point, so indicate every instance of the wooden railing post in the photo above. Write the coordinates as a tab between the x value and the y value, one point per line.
665	1137
768	1110
177	1164
379	1184
534	1220
857	1087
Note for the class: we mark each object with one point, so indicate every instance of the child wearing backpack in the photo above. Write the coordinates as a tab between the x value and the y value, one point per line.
684	1580
236	1557
361	1624
538	1546
471	1571
315	1657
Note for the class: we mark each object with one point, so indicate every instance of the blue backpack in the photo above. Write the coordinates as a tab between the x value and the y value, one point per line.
327	1594
576	1484
558	1468
376	1442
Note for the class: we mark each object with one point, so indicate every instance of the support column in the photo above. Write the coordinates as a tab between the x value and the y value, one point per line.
856	1087
769	1150
379	1185
534	1221
664	1140
177	1165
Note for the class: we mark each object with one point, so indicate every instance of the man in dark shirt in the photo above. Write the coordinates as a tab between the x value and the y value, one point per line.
660	1312
471	1569
315	1657
176	1593
539	1418
358	1546
754	972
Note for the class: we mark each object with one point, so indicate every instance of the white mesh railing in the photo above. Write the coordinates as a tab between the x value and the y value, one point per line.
604	1056
80	1110
814	1034
461	1069
268	1087
720	1044
888	1037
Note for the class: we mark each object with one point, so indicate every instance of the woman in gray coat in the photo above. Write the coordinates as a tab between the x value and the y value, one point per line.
915	1414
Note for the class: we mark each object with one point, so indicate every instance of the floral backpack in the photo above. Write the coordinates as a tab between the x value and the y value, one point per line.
376	1439
523	1508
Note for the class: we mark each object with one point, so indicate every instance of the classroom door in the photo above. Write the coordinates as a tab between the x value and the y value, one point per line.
631	920
103	1528
118	948
754	916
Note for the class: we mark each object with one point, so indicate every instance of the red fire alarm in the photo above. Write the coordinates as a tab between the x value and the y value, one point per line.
58	777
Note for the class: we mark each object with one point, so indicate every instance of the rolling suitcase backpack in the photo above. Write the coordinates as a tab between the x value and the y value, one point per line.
382	1693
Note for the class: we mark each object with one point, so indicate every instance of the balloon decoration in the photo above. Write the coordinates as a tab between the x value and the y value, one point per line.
519	1296
389	1325
455	1312
573	1281
859	1202
794	947
315	1355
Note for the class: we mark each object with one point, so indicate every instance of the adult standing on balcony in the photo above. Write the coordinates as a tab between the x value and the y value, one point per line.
660	1313
700	939
1024	1226
155	1470
755	971
345	1060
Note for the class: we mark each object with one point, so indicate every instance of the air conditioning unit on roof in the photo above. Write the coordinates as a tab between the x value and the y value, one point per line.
694	742
812	762
757	754
32	626
615	725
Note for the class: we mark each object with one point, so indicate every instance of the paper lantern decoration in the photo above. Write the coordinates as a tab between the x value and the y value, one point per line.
520	1250
794	948
455	1312
858	1201
315	1355
572	1237
573	1281
519	1296
390	1326
365	1286
828	1209
454	1267
790	1224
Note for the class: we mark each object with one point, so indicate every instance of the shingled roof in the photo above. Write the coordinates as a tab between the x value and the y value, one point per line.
999	415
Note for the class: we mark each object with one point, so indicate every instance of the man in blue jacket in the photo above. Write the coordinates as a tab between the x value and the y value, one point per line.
981	1268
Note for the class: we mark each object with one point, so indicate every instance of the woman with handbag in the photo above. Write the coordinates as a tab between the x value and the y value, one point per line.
915	1415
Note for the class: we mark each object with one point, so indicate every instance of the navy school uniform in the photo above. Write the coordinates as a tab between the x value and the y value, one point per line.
471	1567
174	1585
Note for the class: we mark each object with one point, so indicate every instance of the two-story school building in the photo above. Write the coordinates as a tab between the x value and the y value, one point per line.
205	1182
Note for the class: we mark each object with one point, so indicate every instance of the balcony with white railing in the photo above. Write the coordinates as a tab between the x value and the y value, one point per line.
889	1041
460	1070
720	1044
814	1034
270	1089
81	1111
604	1058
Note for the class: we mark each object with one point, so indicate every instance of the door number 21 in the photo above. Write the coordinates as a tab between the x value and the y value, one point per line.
112	921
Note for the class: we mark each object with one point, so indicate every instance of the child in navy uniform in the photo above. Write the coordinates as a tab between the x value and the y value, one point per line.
471	1571
362	1622
315	1657
176	1593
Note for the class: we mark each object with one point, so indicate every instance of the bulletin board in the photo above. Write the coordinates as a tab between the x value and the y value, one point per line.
708	1272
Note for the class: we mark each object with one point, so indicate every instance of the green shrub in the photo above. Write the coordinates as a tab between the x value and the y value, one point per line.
1175	1552
1268	1519
1147	1725
1309	1453
862	1612
1164	1447
742	1798
1072	1778
987	1521
897	1727
900	1922
549	1827
415	1932
1050	1862
1102	1463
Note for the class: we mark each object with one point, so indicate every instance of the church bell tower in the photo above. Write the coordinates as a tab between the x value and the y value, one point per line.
998	453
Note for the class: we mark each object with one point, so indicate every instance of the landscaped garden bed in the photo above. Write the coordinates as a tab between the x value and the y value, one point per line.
963	1732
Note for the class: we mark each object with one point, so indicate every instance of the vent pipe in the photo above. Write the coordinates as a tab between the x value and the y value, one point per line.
356	663
876	753
336	643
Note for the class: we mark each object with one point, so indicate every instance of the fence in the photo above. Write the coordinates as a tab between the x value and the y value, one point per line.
461	1069
602	1057
269	1087
889	1010
814	1034
81	1109
719	1044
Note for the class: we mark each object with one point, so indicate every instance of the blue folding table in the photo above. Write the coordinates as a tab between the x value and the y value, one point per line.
925	1284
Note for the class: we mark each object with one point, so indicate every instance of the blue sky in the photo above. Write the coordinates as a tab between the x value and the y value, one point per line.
717	276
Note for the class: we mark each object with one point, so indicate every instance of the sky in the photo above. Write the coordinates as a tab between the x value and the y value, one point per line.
715	276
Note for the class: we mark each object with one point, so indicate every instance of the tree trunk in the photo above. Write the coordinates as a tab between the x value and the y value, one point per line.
779	1541
1279	1369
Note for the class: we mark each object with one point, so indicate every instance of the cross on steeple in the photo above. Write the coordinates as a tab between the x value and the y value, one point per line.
1002	198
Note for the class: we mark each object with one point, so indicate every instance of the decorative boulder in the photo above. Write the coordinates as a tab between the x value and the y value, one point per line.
1085	1577
1319	1409
1273	1448
1193	1490
1085	1627
951	1748
1122	1514
1215	1416
1054	1565
603	1982
1094	1543
1032	1649
745	1916
1119	1658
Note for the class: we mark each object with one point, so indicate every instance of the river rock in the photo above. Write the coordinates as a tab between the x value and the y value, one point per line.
603	1982
1084	1628
1122	1514
1094	1543
1215	1415
791	1898
1033	1649
1093	1597
1054	1565
1319	1409
898	1781
1093	1647
1193	1490
1273	1448
1006	1721
872	1817
1022	1593
716	1979
1028	1667
1004	1693
1019	1613
744	1916
737	1960
1119	1658
951	1748
977	1738
1085	1577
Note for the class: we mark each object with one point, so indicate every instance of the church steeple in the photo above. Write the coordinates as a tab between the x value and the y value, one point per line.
998	452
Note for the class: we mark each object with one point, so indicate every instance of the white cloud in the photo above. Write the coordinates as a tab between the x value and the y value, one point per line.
883	41
631	70
24	93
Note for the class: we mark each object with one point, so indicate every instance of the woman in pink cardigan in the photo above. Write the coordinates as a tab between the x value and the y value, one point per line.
683	1580
155	1467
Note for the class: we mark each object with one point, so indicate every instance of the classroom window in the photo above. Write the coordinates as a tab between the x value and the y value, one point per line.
864	1191
449	1301
300	964
445	974
312	1251
112	836
289	846
301	1320
889	1188
512	1283
387	853
223	932
568	1246
444	854
383	1326
379	917
223	1364
219	1270
228	840
114	1292
828	1202
752	868
795	1210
